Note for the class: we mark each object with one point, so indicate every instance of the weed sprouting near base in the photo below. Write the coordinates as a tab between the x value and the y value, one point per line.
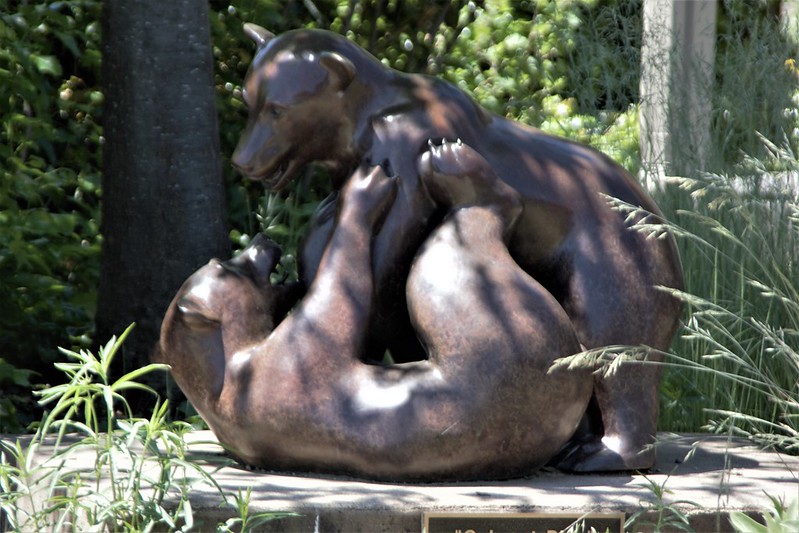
669	515
781	518
138	476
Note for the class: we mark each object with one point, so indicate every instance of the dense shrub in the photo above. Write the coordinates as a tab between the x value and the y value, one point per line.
49	195
756	91
570	67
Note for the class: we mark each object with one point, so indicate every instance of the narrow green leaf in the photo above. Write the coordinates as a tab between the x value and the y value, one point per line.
744	524
108	351
47	64
131	376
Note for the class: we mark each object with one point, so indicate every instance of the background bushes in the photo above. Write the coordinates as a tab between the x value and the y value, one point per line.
570	67
49	185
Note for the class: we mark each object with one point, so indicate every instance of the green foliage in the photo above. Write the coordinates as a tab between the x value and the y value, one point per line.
49	184
244	521
516	55
780	519
756	89
140	477
15	388
739	351
672	516
569	67
669	515
385	29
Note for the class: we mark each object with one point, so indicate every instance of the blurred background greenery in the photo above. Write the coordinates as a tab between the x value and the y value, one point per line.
569	67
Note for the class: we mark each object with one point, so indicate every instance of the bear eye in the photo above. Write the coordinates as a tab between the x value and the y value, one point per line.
195	314
273	111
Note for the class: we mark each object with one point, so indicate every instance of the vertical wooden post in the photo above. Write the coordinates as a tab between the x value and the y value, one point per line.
789	14
677	56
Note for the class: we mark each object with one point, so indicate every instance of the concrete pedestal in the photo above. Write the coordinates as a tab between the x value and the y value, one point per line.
718	475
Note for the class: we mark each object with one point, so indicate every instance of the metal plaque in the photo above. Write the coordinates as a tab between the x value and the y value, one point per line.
521	522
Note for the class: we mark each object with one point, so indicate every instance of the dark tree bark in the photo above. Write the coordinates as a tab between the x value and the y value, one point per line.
163	189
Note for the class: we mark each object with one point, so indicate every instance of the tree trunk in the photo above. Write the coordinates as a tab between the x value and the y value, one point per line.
163	212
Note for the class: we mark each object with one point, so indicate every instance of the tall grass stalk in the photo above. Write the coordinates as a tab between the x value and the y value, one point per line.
735	365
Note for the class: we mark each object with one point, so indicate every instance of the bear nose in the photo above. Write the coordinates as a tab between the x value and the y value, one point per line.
239	164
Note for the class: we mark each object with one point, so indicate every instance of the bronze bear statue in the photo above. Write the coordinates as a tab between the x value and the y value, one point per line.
293	393
314	96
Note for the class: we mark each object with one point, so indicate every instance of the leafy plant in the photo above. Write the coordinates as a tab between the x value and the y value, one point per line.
670	516
15	388
780	519
140	476
244	521
756	90
50	143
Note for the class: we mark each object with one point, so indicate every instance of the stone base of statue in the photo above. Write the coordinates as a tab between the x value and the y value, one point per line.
721	476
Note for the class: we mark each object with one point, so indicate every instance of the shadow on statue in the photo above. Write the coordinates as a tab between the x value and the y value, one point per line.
476	250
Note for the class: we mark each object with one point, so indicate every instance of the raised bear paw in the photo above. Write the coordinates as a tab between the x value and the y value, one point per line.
455	175
369	192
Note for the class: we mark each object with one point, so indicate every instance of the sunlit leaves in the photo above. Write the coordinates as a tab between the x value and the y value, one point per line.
134	474
49	198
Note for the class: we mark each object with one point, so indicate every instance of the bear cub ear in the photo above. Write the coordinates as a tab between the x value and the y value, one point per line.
341	69
259	35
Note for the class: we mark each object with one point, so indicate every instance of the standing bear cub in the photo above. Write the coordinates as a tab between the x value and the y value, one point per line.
314	96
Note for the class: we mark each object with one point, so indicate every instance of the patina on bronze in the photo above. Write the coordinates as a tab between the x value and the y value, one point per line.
480	261
294	394
315	96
